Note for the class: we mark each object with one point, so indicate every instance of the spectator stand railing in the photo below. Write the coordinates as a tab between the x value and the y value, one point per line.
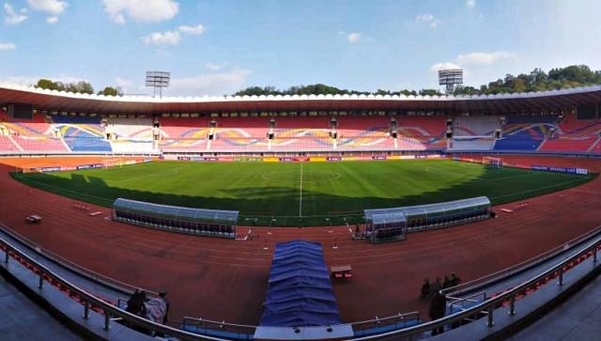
504	303
456	304
506	300
91	304
71	266
218	329
379	325
477	285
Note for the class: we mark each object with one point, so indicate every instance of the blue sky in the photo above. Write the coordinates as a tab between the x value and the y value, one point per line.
218	47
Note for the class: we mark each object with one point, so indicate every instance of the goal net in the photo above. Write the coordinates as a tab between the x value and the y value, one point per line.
492	161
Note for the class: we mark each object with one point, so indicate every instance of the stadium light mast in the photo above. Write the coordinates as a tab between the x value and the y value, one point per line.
158	80
449	78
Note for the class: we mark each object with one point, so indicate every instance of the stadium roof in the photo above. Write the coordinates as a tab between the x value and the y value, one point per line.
503	103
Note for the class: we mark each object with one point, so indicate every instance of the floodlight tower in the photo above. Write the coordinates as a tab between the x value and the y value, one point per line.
158	80
449	78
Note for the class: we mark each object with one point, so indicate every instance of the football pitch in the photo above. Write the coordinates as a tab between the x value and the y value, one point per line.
301	194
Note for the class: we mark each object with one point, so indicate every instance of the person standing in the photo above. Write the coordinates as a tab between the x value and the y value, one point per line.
438	306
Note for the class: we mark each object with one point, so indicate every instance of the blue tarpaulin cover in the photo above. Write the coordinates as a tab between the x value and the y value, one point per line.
300	292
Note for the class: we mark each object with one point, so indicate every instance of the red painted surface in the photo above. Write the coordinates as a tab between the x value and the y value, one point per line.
227	280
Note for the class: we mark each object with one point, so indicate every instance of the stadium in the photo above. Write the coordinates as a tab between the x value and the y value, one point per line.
219	200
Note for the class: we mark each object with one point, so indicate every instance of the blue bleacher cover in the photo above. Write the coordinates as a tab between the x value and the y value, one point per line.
300	292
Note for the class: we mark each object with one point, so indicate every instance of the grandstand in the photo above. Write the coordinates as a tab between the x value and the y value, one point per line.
546	122
522	132
574	135
334	124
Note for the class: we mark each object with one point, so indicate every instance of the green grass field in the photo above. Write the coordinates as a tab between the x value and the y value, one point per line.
301	194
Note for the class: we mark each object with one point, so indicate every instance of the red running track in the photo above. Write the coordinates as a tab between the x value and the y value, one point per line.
227	280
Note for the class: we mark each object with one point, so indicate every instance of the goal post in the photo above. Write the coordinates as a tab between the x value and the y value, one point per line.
492	161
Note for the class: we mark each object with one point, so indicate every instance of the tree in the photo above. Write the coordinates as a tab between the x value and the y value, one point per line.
407	92
110	91
466	90
430	92
79	87
49	85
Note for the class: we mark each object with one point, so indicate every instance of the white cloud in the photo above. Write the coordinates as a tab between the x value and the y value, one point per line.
51	6
123	82
215	66
429	19
483	57
172	37
470	4
12	18
193	30
7	46
473	58
476	64
444	66
162	38
141	10
215	84
52	20
353	37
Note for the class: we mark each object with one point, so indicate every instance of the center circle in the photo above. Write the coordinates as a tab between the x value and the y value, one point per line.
297	177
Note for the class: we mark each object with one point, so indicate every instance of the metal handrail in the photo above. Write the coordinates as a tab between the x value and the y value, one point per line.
79	270
110	311
91	302
217	325
529	263
387	320
491	304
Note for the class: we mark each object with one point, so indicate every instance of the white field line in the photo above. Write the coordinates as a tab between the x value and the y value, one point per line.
300	186
536	189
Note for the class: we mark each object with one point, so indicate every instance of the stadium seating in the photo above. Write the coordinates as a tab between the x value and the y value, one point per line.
349	126
183	145
34	135
129	128
237	144
81	133
188	127
253	127
132	146
574	135
566	143
472	143
422	126
301	143
7	145
88	144
40	143
524	132
74	133
383	142
305	122
411	143
475	125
